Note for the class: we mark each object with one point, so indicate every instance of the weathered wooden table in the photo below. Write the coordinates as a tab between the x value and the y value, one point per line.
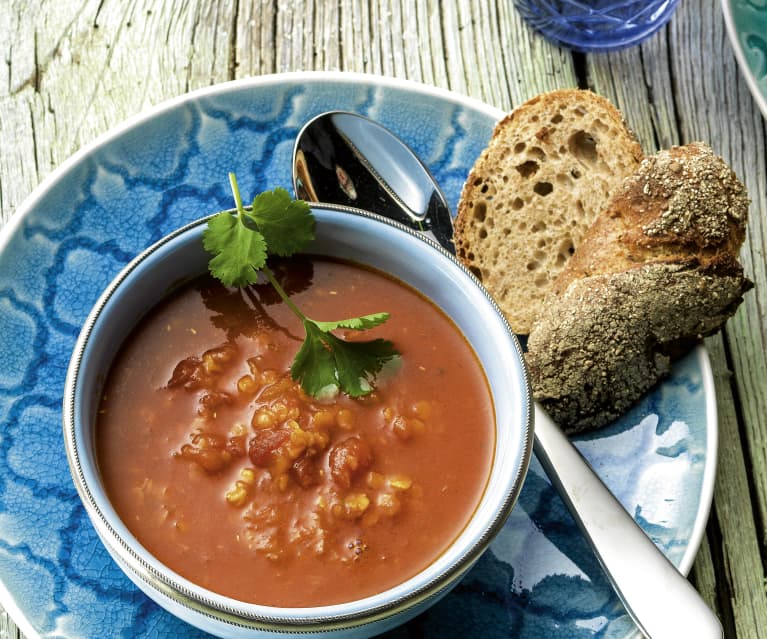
75	68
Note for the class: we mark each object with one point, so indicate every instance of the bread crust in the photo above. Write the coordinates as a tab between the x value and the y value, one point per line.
682	202
550	167
657	271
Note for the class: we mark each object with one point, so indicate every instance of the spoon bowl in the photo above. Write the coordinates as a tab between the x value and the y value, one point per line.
347	159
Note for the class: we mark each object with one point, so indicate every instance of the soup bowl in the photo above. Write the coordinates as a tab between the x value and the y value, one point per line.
350	235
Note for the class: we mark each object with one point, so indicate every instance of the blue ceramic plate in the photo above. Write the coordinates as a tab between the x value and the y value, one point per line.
168	167
746	22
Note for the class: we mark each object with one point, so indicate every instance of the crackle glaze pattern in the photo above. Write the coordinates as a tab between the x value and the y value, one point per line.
162	170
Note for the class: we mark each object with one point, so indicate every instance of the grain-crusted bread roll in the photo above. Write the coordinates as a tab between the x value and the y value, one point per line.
657	271
550	167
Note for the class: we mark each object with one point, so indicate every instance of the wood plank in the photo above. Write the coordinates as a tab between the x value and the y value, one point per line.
641	88
742	135
703	576
740	579
530	64
694	102
8	629
716	106
253	47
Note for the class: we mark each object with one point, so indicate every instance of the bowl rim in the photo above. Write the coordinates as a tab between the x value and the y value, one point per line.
258	616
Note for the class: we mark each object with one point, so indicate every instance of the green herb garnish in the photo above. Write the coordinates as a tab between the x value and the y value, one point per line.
276	224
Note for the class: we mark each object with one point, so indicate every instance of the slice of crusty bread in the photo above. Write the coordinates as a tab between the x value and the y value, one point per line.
656	271
550	167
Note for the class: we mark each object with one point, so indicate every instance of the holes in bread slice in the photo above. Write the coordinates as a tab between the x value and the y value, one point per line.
566	250
584	147
543	188
528	168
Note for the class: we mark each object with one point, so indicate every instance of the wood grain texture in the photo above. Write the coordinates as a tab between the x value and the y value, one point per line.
75	68
8	629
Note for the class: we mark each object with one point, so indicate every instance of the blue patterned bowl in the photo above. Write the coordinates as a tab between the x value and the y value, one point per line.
596	25
363	238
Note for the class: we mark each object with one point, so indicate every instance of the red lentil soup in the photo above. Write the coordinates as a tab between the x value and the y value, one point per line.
232	476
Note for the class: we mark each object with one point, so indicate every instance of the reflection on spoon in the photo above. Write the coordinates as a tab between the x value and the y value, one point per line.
390	180
346	159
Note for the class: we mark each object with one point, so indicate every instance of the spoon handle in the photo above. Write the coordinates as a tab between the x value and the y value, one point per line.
658	598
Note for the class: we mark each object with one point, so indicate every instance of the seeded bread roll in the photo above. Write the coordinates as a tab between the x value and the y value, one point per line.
550	167
656	272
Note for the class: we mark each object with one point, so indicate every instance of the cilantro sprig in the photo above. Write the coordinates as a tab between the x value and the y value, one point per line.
241	242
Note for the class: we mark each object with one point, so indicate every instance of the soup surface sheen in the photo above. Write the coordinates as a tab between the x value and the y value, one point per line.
233	477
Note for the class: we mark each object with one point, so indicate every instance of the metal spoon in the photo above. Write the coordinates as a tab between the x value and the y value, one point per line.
344	158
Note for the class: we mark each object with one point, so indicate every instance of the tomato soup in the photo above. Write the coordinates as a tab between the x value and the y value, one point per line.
231	475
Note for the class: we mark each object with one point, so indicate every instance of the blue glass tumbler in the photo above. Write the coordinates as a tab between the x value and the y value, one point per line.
596	25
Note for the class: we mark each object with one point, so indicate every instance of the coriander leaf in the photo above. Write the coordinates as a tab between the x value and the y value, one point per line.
357	323
238	252
286	224
313	365
326	360
358	362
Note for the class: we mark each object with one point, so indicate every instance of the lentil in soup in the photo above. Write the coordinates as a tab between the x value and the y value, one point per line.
231	475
